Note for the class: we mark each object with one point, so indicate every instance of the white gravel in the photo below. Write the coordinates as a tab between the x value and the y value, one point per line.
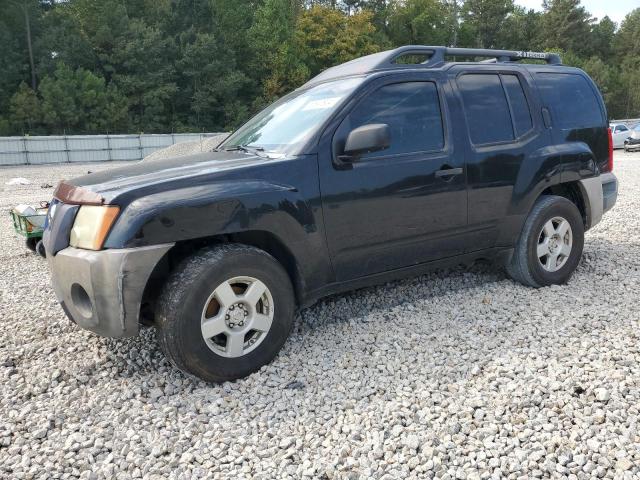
187	148
457	374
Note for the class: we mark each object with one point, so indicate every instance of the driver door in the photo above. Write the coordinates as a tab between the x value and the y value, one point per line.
401	206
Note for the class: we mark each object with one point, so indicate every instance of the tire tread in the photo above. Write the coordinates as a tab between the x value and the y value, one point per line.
518	268
174	291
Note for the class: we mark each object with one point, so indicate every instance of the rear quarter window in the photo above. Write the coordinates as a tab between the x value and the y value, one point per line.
572	100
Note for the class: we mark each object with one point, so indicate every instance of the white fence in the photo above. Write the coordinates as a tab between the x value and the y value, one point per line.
87	148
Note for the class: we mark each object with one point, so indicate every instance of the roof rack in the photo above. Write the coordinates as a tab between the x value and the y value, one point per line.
434	57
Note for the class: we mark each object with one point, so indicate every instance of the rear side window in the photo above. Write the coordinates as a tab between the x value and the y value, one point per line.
412	111
518	102
571	99
486	108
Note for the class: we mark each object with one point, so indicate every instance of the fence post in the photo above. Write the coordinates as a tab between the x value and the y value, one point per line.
109	147
26	151
66	147
140	145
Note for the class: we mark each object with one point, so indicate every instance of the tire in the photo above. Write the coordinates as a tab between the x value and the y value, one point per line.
31	243
196	293
545	234
40	249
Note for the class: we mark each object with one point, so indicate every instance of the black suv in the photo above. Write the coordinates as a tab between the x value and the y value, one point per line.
376	169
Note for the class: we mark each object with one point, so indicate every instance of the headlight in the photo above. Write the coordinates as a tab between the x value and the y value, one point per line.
91	226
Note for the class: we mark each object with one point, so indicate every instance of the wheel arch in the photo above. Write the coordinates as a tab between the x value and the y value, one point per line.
277	248
264	240
575	193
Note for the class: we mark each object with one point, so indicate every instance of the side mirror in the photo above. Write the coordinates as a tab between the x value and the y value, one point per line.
366	139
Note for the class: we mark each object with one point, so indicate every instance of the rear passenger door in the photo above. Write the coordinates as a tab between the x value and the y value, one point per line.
497	107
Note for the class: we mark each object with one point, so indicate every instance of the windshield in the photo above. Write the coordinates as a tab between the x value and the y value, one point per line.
285	126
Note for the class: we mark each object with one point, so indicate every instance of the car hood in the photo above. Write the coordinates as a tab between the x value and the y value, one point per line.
156	175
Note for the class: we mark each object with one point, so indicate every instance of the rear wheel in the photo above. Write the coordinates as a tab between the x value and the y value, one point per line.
550	245
225	312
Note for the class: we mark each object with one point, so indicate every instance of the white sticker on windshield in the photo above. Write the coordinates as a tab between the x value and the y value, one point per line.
321	104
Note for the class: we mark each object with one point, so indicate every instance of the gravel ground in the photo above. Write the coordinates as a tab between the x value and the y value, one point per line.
457	374
187	148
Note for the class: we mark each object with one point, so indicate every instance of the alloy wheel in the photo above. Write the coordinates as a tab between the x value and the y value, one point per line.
237	316
554	244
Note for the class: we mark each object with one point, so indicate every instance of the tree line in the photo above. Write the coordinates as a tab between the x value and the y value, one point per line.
121	66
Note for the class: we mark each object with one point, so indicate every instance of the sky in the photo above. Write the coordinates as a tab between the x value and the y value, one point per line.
616	9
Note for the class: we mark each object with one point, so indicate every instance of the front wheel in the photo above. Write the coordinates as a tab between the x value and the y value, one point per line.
225	312
40	250
31	243
550	245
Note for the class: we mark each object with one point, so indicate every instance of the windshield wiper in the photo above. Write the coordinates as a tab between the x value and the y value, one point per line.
245	148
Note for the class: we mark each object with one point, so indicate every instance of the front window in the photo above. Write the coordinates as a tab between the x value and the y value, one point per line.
285	126
411	110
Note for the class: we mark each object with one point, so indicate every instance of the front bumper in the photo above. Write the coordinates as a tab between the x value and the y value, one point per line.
632	142
102	290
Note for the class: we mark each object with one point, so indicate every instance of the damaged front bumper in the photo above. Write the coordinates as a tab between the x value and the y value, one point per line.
632	143
102	290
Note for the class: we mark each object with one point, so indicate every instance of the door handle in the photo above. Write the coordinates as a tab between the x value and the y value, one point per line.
448	172
546	117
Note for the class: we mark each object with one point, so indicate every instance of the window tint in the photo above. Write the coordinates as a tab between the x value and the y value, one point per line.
518	102
572	100
486	108
622	128
412	112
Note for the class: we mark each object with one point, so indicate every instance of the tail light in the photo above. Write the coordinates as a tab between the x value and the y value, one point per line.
610	163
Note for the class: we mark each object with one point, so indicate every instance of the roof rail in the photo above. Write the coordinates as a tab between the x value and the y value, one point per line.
504	55
434	57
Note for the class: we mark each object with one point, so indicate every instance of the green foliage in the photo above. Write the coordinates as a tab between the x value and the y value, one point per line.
484	20
79	101
326	37
627	46
521	30
566	25
602	36
272	47
212	84
25	111
627	40
419	22
185	65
